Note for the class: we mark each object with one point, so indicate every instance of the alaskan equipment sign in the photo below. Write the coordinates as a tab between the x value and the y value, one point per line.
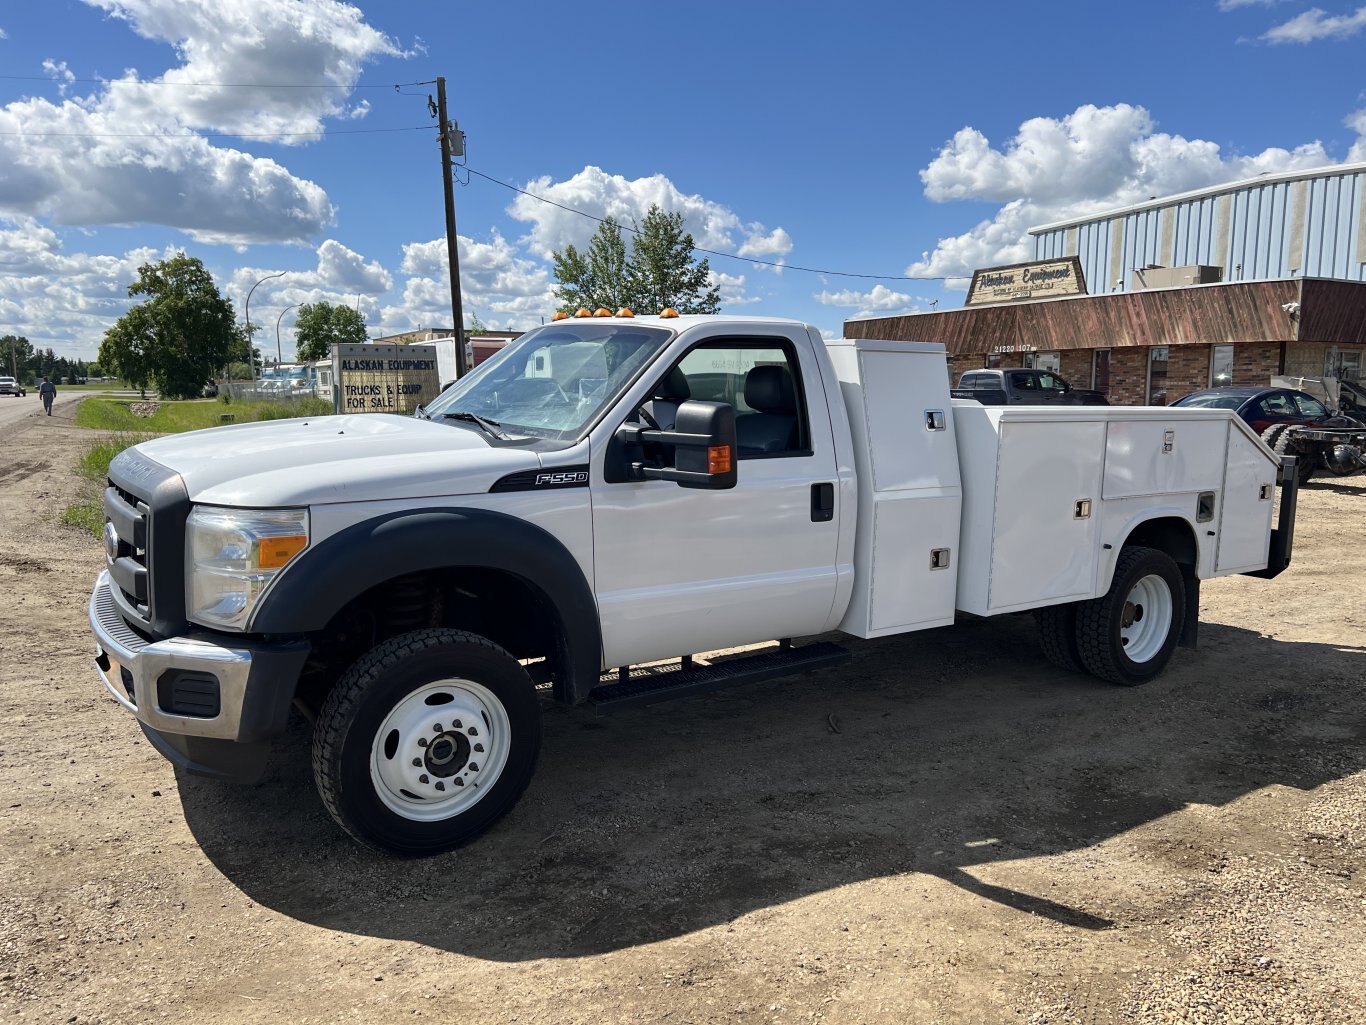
1043	279
384	378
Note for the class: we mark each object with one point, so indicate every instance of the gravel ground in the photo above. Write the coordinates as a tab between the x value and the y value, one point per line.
945	830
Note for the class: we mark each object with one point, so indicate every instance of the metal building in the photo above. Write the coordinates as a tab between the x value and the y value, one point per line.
1226	285
1301	224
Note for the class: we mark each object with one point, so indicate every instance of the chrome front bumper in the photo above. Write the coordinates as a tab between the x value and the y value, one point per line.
126	662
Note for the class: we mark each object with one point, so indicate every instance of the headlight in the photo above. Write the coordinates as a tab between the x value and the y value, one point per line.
231	555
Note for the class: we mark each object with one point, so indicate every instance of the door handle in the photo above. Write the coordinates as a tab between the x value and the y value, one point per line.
822	503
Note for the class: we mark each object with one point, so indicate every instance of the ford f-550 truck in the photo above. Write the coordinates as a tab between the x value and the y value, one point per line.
610	491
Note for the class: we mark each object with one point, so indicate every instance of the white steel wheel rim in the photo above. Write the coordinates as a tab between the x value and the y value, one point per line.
1146	620
440	750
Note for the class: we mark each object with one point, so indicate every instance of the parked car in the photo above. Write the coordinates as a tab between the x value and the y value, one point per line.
1013	386
9	386
1262	407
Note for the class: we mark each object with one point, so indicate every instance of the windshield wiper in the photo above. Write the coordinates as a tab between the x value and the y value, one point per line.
489	427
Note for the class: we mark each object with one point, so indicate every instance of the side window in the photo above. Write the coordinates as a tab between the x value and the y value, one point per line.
1310	406
1049	382
761	379
1023	382
1276	404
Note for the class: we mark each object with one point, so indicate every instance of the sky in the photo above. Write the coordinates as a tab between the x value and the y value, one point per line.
837	161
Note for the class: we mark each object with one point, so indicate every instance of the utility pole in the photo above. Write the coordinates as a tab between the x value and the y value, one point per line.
450	134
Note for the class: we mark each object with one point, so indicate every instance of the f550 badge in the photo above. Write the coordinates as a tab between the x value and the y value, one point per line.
550	480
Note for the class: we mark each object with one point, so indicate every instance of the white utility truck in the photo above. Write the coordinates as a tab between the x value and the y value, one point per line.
610	491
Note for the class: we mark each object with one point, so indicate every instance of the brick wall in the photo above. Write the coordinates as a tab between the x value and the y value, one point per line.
1128	375
960	365
1076	367
1254	365
1188	370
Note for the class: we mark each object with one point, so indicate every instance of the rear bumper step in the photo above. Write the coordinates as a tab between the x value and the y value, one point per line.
663	683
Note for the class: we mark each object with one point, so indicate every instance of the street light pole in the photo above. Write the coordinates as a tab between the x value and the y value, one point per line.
278	357
250	348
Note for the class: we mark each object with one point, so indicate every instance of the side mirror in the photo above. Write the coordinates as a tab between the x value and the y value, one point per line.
704	443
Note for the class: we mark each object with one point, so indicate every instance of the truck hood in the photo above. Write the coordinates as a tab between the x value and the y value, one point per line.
335	459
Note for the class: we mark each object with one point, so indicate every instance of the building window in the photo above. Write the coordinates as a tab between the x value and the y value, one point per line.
1100	371
1157	375
1050	361
1221	366
993	360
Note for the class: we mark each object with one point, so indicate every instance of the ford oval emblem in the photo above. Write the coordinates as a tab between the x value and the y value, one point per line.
111	542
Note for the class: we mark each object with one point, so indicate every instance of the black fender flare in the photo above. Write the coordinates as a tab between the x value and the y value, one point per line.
332	573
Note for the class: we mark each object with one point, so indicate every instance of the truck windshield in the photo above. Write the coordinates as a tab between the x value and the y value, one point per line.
553	381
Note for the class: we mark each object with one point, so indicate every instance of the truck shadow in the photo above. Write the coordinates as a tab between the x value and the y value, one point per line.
929	753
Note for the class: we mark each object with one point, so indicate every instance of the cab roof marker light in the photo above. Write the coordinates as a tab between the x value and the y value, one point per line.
582	311
602	311
625	311
559	315
668	313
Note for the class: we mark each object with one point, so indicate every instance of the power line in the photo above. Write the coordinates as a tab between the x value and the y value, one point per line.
206	85
713	252
214	135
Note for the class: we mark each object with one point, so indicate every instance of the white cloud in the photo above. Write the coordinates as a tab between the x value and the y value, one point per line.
223	44
1357	122
1094	159
3	34
1315	24
765	245
75	164
1229	5
343	268
594	191
497	284
128	153
881	301
62	301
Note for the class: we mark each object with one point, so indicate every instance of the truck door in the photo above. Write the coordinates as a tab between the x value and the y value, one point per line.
1051	390
681	570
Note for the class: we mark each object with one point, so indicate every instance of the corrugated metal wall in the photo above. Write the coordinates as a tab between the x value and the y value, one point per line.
1308	227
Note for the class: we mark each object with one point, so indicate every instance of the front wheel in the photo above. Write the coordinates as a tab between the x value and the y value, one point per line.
426	741
1127	635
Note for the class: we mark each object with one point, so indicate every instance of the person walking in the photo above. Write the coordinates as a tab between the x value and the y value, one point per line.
47	391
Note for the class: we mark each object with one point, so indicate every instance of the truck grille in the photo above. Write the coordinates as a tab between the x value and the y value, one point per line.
145	507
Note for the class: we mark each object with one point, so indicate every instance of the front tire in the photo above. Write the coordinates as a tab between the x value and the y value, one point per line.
426	742
1127	635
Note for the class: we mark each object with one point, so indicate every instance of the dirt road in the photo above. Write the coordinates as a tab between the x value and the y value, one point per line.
946	830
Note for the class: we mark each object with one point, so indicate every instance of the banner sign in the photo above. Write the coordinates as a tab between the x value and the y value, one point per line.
384	378
1043	279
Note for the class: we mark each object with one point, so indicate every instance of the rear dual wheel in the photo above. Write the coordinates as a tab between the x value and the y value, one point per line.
1127	635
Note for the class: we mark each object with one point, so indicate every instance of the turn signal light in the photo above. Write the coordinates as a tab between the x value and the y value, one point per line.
559	315
625	311
274	552
582	311
718	457
602	311
668	312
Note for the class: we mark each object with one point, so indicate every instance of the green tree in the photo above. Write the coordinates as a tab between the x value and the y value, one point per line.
178	337
596	278
658	272
321	325
16	353
662	272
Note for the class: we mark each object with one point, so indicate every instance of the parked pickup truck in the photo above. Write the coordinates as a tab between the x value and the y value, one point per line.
675	486
1023	386
9	386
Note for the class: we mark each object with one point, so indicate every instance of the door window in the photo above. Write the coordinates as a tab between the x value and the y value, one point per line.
1157	375
1100	371
1309	406
1277	404
762	381
1221	366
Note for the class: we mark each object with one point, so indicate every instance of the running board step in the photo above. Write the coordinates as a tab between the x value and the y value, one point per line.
663	683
